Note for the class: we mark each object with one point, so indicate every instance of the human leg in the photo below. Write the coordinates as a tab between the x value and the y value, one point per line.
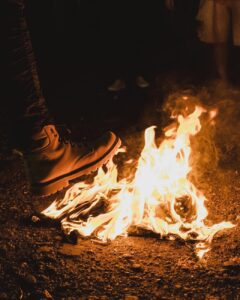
235	62
221	32
32	112
52	159
220	53
214	29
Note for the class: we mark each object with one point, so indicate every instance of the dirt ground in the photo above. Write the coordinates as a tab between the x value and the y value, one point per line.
38	262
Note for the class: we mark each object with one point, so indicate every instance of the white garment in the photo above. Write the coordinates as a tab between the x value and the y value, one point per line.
217	20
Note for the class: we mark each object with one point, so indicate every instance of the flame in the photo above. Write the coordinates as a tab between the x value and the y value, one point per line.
160	197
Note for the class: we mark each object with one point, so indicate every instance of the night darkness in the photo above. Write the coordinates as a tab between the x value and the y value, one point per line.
83	46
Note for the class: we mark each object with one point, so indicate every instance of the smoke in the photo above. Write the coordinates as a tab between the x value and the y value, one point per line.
217	145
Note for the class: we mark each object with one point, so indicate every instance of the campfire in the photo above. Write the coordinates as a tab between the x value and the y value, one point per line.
158	196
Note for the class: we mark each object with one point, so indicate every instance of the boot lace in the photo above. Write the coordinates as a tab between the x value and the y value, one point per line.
65	136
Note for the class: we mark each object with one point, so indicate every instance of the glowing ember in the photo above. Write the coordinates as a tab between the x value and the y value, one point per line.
159	198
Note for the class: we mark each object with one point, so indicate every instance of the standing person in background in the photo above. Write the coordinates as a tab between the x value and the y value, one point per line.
219	25
129	36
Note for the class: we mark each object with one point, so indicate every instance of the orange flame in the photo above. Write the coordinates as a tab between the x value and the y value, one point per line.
160	197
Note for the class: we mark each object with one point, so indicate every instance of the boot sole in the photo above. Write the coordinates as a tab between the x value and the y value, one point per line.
55	185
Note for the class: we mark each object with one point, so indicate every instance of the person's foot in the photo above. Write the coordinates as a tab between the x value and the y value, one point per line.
117	86
55	160
141	82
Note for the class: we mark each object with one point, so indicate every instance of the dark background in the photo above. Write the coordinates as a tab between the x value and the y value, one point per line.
100	35
82	46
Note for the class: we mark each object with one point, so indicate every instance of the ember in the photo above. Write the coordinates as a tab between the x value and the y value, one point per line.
160	197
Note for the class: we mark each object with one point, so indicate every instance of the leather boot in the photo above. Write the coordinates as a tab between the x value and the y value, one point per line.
53	161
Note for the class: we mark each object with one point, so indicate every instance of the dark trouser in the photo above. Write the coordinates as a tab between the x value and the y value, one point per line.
27	99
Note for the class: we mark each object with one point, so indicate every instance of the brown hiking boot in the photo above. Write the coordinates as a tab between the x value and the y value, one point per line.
54	161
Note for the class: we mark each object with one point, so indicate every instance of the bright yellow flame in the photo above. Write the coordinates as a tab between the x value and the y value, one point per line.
160	197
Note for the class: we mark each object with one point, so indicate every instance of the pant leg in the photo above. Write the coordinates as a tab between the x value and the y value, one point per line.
32	112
